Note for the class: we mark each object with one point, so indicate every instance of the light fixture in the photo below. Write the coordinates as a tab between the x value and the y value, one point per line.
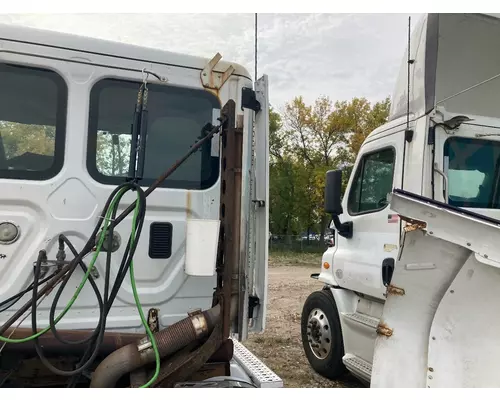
9	232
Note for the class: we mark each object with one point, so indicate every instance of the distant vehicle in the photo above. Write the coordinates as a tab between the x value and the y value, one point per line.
412	282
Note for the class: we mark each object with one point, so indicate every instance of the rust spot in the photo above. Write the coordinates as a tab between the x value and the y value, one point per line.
384	330
391	289
214	80
413	225
153	322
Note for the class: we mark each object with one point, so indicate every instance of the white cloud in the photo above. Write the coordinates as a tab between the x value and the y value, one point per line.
339	55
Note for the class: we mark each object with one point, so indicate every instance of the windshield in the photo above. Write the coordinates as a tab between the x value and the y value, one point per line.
472	167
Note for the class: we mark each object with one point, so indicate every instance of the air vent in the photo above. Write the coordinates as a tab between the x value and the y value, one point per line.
160	240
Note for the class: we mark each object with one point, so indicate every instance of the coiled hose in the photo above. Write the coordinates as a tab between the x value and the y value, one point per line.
95	339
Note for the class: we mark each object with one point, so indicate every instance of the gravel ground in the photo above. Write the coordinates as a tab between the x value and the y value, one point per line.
280	345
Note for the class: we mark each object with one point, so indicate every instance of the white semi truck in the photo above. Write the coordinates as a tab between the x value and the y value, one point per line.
410	295
133	215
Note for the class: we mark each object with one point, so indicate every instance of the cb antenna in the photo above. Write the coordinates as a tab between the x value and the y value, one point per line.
408	135
255	51
408	131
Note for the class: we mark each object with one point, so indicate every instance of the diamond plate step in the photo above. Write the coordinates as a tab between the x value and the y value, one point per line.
362	319
358	366
261	375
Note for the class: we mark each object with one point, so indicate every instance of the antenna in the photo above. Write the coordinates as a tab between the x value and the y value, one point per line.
408	132
255	54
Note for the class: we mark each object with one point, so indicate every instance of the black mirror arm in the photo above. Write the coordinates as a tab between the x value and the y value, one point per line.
345	229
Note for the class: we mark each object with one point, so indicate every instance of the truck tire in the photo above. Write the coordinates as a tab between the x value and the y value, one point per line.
322	335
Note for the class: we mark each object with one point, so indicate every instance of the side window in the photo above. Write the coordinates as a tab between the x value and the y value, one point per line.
372	182
176	118
32	122
472	166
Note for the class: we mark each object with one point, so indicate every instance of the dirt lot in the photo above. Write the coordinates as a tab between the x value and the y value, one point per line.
280	345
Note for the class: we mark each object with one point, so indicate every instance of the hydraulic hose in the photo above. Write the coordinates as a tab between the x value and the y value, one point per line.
89	356
126	266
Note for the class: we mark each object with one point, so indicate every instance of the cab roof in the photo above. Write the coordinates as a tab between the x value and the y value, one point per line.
16	33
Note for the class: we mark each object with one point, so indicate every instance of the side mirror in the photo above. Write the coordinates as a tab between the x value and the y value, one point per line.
333	203
333	189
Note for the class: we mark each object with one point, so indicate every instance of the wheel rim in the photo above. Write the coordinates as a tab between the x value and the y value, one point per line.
319	334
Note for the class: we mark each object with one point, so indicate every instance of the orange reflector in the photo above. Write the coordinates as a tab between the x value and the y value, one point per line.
326	265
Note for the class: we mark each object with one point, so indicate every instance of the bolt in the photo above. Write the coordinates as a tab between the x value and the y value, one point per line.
431	369
468	244
452	291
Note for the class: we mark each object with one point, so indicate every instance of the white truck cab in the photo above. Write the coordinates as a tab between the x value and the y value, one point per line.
74	125
441	142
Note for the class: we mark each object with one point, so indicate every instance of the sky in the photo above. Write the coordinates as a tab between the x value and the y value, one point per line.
337	55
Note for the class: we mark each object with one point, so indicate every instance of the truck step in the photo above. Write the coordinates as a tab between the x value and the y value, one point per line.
357	366
362	319
261	375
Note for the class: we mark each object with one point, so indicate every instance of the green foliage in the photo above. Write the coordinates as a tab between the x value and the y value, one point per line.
305	142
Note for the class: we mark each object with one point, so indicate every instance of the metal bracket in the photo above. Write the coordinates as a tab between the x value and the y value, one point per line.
249	100
153	322
194	312
215	80
253	301
260	203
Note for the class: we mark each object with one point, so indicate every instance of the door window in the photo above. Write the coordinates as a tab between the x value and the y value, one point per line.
372	182
32	122
177	118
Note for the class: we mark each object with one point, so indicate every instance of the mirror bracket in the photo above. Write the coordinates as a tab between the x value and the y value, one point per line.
345	229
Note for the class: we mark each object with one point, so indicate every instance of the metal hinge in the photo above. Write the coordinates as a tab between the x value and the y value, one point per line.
249	100
260	203
253	301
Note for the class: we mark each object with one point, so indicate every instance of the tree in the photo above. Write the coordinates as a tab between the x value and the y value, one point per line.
312	139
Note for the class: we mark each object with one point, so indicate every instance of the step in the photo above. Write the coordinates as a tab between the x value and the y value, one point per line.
259	372
362	319
358	366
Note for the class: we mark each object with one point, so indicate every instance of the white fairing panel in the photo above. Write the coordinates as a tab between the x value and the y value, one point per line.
72	200
440	322
425	271
464	350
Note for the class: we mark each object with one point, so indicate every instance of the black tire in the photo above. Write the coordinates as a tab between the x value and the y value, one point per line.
331	366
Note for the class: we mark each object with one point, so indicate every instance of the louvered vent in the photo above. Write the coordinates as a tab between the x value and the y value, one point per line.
160	240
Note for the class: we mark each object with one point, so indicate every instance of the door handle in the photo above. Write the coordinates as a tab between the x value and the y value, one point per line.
387	271
445	181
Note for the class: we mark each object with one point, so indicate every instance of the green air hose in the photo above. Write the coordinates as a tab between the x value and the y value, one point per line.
138	303
113	205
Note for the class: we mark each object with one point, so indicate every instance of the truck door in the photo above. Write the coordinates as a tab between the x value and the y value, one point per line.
358	261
